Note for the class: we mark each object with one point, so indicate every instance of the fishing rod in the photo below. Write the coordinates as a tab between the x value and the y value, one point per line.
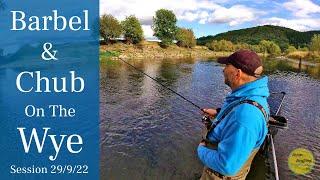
195	105
274	158
283	95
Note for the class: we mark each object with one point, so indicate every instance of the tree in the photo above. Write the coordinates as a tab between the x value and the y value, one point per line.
274	49
315	43
185	38
132	30
264	45
256	48
213	46
225	45
164	26
269	47
241	46
109	27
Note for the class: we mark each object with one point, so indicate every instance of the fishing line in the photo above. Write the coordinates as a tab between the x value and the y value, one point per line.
162	84
270	136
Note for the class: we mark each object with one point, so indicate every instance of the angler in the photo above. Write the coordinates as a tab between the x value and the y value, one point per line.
241	124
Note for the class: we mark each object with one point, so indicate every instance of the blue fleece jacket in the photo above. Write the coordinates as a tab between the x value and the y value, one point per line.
240	132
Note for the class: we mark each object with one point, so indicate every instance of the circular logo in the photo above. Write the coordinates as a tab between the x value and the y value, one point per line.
301	161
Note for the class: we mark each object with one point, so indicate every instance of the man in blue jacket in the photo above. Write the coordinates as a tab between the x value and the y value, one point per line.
240	126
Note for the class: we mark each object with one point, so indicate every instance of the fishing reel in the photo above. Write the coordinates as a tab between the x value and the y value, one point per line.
206	121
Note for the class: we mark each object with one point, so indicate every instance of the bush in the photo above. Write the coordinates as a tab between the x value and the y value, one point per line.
290	49
270	47
274	49
315	43
185	38
221	45
303	49
313	56
132	30
165	43
256	48
242	46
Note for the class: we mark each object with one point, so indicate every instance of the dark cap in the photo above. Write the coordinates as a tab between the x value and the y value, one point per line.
246	60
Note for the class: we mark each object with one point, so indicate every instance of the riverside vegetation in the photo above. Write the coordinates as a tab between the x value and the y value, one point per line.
125	40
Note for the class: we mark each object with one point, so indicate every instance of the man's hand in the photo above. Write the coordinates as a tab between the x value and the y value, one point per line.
210	112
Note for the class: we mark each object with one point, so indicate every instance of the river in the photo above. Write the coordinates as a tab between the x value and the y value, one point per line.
147	132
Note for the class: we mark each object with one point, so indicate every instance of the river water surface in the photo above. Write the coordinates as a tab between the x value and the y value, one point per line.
147	132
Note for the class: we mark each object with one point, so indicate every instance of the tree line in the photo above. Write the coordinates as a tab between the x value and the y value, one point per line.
280	35
164	27
267	39
264	46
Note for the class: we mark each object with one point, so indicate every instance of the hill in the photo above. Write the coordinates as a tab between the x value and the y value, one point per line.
280	35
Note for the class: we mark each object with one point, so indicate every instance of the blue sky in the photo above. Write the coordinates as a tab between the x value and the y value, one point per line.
207	17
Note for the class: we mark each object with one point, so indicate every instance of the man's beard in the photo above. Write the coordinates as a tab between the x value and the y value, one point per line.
227	82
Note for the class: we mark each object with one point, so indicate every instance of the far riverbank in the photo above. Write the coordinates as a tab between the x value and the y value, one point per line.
151	50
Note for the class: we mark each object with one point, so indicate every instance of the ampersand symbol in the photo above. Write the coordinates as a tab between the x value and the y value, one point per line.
51	56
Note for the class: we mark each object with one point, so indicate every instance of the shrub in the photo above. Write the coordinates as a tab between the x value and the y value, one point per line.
185	38
132	30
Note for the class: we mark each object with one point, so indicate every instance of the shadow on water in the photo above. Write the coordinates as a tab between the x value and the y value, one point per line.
149	133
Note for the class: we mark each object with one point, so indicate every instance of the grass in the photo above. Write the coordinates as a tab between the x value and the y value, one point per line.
108	54
305	55
298	54
152	50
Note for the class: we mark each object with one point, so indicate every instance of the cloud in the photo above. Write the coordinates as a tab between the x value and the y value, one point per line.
235	15
302	8
194	16
229	12
147	30
202	11
303	24
145	9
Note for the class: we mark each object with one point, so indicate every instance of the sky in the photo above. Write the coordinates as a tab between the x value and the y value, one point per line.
207	17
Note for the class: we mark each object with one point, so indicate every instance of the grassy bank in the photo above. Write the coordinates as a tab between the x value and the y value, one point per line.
151	50
304	55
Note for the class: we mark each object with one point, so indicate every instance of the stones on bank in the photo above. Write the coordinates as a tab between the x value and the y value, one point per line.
149	50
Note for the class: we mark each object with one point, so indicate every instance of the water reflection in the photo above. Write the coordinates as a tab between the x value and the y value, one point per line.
273	65
149	133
